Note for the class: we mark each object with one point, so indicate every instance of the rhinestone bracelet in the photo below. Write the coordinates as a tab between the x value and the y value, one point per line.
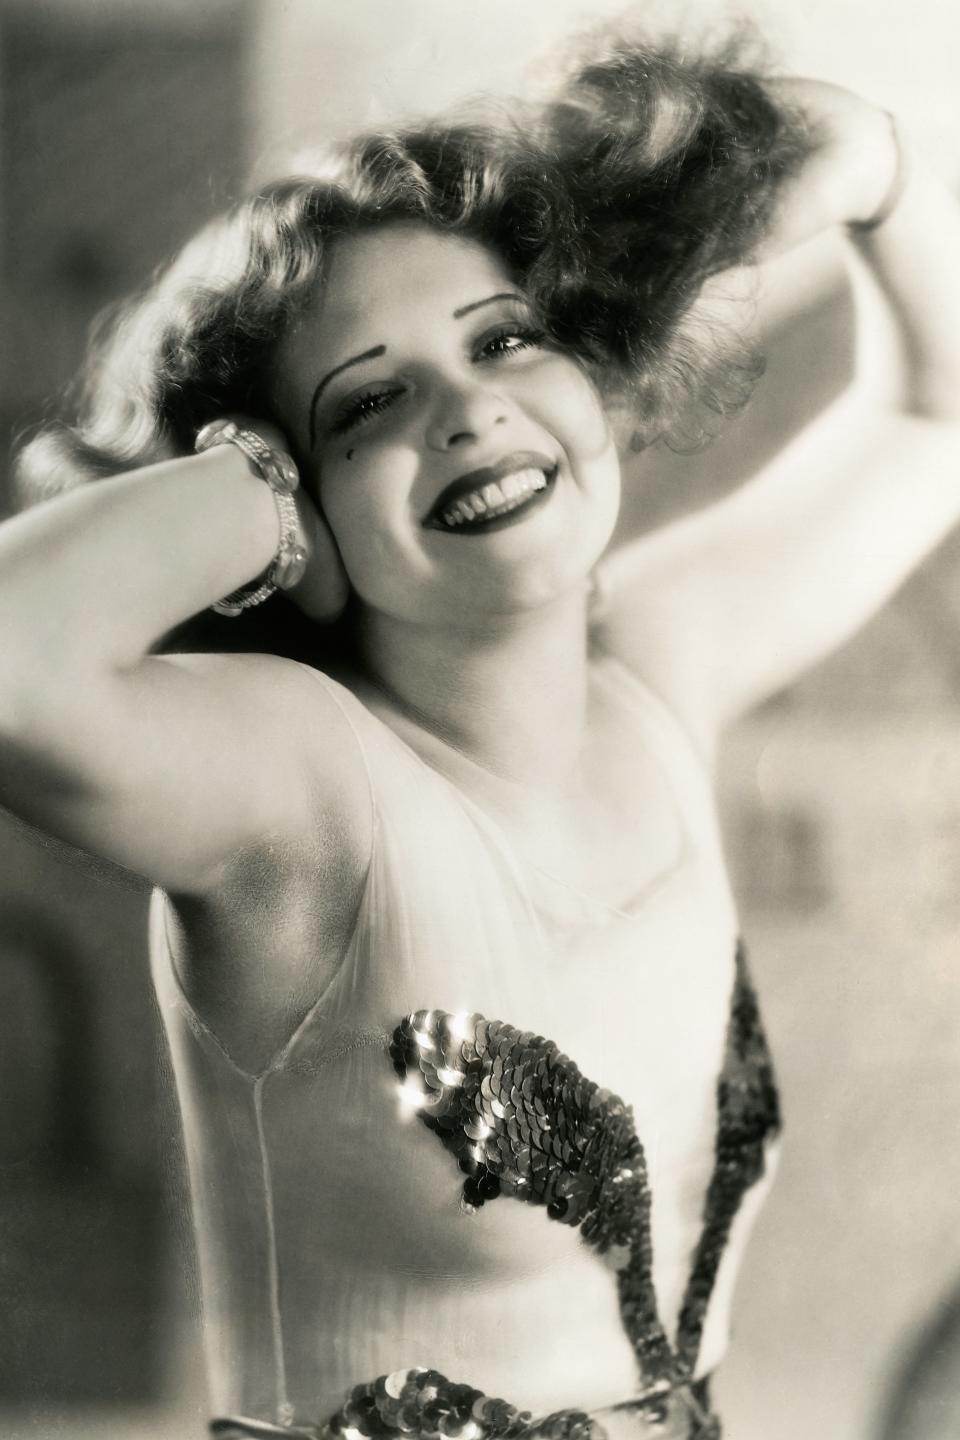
280	473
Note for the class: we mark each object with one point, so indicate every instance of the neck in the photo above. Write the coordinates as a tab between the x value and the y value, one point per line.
509	693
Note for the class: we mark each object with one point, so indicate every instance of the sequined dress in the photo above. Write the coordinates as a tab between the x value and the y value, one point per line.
497	1182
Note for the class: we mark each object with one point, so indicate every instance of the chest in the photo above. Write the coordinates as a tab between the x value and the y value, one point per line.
627	810
456	917
595	912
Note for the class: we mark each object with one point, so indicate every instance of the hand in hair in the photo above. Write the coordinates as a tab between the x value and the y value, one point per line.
851	167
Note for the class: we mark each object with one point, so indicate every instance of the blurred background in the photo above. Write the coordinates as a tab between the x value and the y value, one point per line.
124	124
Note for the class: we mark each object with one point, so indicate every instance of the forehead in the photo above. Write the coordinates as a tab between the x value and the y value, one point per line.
389	282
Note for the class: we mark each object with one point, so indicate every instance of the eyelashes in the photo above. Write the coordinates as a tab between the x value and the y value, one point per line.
512	340
363	407
502	343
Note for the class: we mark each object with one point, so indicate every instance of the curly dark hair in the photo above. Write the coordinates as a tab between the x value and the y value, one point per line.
611	204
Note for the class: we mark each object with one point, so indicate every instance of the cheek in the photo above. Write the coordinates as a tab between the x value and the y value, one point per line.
348	507
569	403
363	506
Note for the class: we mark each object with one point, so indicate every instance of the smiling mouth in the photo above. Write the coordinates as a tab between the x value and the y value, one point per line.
489	498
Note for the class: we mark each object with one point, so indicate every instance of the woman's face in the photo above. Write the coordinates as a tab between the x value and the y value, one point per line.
465	465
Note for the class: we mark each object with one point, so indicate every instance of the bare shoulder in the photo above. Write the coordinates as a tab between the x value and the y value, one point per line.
290	747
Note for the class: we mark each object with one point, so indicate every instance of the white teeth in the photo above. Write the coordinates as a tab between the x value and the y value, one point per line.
496	497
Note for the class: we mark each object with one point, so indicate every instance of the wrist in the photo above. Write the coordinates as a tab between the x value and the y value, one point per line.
887	180
277	470
854	167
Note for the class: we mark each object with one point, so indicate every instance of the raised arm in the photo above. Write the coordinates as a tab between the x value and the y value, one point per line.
722	609
168	765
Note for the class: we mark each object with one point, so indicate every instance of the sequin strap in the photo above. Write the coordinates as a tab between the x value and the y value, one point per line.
748	1116
426	1405
522	1120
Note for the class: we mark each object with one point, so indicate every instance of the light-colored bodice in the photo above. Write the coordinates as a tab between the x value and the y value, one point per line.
333	1245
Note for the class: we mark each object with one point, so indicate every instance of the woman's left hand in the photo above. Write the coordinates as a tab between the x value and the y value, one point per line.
723	609
853	164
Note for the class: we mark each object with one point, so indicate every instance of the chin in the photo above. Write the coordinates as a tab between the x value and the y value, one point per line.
535	590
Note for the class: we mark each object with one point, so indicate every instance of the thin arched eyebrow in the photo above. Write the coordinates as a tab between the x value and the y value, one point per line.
490	300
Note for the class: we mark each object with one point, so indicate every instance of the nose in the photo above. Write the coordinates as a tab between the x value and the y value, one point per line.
464	413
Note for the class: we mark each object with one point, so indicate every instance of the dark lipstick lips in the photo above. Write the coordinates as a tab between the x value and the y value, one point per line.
476	479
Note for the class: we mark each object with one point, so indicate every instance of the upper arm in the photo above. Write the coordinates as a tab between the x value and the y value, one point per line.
723	608
173	767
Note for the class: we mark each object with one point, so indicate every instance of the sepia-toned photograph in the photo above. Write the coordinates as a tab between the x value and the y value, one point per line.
479	720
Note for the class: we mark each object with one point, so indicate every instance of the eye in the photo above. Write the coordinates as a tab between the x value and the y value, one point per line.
362	407
509	340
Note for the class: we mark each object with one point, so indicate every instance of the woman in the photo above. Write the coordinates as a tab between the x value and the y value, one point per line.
483	817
